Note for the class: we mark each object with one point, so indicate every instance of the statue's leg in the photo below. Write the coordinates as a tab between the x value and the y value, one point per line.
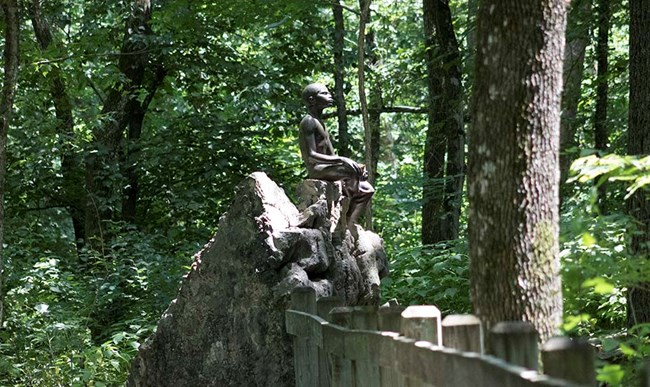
359	202
330	172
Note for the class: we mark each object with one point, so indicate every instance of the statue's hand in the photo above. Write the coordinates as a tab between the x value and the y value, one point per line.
364	172
356	167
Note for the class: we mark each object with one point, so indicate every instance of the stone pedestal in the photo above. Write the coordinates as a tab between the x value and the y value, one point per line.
226	326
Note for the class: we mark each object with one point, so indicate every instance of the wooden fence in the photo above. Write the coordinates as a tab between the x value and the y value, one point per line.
397	346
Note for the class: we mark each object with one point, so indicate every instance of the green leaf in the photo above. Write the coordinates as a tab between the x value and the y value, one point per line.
600	285
572	322
115	364
42	308
629	351
117	338
610	344
611	373
588	239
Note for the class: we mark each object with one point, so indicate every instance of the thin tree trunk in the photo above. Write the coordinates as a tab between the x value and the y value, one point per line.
72	184
601	133
452	111
435	146
137	114
121	109
364	6
472	10
11	62
639	144
339	79
514	159
375	106
577	40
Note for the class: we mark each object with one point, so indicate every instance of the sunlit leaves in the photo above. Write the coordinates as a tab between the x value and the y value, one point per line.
599	285
635	171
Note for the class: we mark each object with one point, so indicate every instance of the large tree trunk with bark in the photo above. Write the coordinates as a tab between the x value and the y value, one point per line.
577	40
444	157
452	110
639	144
435	146
10	57
72	195
513	171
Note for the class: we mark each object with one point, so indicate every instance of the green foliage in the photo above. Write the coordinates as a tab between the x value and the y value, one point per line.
591	246
431	275
598	267
633	170
73	322
634	348
229	105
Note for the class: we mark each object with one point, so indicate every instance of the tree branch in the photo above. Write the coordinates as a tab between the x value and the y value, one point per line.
384	109
345	7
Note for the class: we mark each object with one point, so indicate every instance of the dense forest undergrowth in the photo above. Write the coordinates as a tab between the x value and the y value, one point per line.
133	122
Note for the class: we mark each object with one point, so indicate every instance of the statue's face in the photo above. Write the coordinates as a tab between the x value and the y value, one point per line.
322	97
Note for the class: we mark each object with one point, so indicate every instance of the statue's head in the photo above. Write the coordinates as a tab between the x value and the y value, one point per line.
316	94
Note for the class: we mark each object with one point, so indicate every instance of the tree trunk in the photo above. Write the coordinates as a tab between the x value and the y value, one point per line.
72	184
375	107
472	10
10	56
513	171
443	181
121	109
364	6
601	133
137	112
639	144
435	146
452	111
339	79
577	40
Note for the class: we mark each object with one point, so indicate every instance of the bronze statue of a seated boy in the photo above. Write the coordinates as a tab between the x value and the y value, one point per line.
319	157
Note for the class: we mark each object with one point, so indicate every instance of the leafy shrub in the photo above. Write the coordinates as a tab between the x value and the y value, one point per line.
431	275
77	321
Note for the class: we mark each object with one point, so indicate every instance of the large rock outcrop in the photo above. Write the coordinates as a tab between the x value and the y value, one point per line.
226	326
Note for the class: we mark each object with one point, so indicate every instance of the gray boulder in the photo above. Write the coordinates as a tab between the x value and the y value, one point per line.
226	325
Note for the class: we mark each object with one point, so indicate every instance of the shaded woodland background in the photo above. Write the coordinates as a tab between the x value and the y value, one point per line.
133	121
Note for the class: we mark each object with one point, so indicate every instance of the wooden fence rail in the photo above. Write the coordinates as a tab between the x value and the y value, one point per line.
413	347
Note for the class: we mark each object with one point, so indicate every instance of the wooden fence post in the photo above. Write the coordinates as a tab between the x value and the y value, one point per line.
364	317
462	332
569	359
389	320
323	307
305	353
365	364
390	317
516	343
341	368
421	322
404	361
